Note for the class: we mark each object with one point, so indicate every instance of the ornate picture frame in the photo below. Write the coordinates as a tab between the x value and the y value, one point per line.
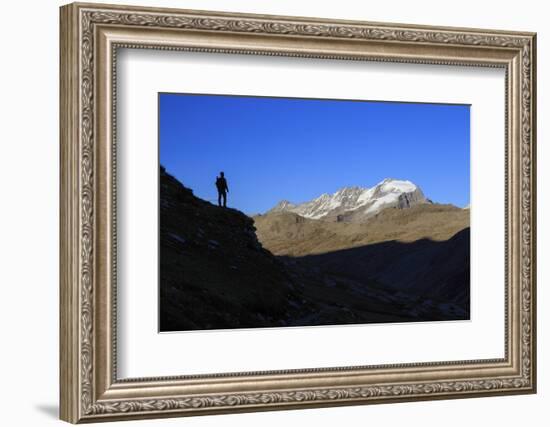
90	37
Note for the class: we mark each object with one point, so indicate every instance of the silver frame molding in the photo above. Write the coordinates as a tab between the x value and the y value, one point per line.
90	37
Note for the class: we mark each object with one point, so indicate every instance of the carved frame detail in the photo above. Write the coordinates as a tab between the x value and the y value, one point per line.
80	400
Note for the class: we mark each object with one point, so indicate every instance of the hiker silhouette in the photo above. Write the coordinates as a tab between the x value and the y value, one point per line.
223	189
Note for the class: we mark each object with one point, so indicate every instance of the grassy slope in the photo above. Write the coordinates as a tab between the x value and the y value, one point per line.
292	235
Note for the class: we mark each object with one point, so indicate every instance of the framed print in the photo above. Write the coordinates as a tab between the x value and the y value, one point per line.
266	212
379	254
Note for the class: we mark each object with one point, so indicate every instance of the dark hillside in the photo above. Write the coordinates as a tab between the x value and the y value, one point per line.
214	273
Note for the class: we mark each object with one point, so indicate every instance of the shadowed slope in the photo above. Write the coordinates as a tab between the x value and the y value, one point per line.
425	268
214	273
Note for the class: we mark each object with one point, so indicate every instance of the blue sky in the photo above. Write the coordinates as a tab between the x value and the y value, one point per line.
296	149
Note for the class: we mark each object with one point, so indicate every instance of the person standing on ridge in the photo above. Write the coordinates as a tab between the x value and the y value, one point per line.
223	189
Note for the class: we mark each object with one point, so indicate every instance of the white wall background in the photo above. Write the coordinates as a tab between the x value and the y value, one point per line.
29	171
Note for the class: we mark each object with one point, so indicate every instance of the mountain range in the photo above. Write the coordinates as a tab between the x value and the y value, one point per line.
357	204
396	257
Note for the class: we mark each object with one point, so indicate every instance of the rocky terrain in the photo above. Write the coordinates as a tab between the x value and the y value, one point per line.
220	269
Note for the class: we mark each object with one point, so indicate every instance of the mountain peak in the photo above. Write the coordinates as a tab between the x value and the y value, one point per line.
366	202
283	205
399	184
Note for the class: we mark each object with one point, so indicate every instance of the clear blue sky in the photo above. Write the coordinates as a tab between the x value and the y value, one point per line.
296	149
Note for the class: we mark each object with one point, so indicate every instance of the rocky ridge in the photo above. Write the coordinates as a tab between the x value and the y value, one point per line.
356	204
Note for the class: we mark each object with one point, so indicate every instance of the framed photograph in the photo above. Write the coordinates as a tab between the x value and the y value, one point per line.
267	212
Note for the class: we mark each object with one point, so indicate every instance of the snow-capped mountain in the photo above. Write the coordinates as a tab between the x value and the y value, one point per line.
356	203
